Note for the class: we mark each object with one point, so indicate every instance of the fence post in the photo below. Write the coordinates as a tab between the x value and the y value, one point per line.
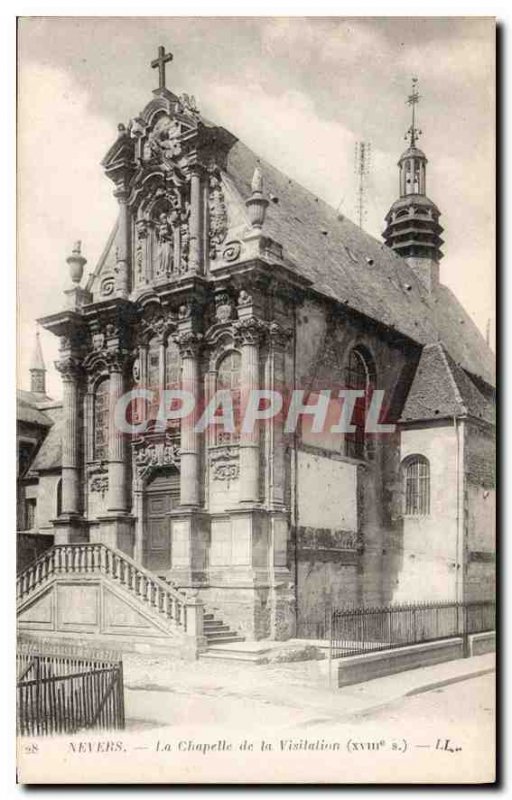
329	651
120	685
465	635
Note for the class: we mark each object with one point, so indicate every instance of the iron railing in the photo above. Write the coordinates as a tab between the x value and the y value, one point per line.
67	693
363	630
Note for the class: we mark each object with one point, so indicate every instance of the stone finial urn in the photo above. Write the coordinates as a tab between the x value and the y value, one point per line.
257	203
76	263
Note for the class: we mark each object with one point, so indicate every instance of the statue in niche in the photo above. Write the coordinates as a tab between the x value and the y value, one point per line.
165	239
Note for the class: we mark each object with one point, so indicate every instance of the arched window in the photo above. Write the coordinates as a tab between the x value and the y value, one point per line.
228	377
359	374
416	486
101	420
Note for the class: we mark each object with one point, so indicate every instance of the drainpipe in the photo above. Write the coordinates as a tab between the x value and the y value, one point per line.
295	477
459	520
457	508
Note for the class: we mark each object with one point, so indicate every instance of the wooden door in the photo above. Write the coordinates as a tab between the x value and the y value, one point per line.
161	496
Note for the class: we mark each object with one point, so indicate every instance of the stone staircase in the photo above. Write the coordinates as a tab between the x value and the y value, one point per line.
120	600
215	631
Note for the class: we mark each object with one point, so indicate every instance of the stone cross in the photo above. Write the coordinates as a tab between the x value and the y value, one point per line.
160	62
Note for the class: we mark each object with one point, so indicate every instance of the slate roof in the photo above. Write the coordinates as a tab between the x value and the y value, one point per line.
44	412
352	267
49	455
347	264
442	389
28	408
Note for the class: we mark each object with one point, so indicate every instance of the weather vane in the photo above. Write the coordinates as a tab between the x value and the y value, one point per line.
413	99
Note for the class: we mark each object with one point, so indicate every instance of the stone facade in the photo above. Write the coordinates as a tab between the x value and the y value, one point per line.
203	283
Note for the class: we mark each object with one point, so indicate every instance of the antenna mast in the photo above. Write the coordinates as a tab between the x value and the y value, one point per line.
362	164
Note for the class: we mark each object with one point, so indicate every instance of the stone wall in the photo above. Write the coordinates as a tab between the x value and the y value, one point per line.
45	492
338	495
480	513
426	547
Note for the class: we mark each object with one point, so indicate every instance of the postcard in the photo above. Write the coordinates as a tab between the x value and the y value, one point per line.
256	400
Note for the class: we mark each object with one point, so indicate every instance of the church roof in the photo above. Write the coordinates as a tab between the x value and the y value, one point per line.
49	455
418	200
347	264
342	261
442	389
413	152
28	408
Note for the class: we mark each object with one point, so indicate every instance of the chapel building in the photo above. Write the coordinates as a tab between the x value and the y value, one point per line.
223	273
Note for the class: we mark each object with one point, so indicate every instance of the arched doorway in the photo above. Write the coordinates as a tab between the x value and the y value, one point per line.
161	495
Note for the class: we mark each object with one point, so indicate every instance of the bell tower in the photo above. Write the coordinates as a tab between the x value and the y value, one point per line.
412	222
37	369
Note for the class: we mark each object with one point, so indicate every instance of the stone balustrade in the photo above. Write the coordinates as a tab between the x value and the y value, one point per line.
99	559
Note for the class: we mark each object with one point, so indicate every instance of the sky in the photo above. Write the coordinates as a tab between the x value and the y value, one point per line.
300	92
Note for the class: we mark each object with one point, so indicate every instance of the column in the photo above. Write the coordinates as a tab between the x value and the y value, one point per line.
249	332
70	437
117	495
123	243
402	177
189	467
278	338
161	364
196	221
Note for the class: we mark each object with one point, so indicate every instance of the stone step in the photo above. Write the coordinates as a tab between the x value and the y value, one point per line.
215	626
230	655
225	638
222	634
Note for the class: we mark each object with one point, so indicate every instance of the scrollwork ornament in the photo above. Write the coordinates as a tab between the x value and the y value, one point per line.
232	251
152	455
107	286
99	483
218	215
224	463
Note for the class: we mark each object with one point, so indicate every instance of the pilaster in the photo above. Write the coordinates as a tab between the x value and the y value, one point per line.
249	333
69	527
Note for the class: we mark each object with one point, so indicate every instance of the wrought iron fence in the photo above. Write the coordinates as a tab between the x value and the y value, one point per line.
317	628
66	693
363	630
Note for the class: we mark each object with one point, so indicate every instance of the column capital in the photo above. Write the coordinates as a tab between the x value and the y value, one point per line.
189	343
250	331
117	360
70	368
279	336
121	192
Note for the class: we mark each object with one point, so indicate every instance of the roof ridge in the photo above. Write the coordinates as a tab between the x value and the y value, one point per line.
446	360
104	254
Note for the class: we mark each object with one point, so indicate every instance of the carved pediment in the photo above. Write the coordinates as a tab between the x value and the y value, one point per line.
152	451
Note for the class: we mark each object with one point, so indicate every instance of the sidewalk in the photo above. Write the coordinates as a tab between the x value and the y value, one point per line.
175	693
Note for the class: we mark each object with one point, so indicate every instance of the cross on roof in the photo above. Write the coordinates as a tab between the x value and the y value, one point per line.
160	62
412	100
